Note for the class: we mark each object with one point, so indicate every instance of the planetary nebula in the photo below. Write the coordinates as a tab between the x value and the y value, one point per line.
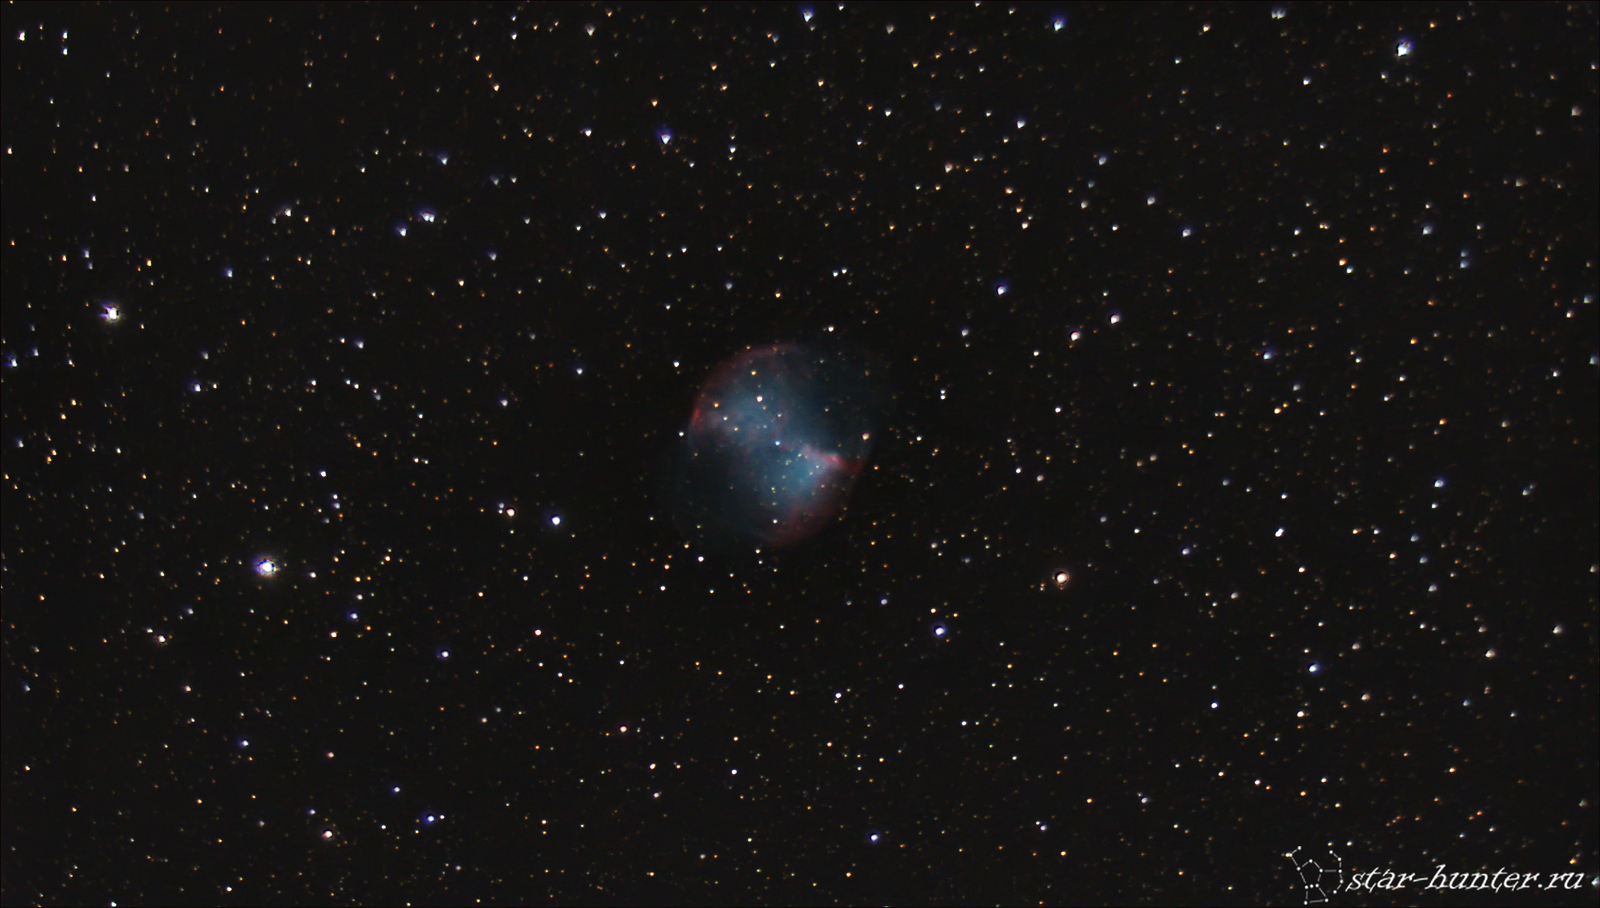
774	443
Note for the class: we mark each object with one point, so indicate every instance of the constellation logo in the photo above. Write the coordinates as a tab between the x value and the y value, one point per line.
1319	879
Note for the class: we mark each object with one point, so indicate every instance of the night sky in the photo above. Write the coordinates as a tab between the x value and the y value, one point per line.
1235	493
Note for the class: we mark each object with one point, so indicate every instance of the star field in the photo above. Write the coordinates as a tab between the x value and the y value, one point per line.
1233	532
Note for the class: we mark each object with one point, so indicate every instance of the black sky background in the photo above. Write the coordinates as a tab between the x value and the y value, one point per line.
1268	331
